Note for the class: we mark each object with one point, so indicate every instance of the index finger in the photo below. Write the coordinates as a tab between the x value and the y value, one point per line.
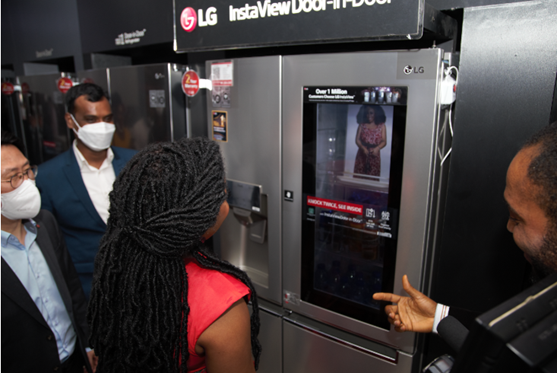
387	297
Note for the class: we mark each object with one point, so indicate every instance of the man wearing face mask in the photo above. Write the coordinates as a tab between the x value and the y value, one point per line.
75	185
44	324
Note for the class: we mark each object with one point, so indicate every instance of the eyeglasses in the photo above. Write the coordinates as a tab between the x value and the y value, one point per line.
16	180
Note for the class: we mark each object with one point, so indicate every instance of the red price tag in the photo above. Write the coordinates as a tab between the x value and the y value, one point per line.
190	83
64	84
7	88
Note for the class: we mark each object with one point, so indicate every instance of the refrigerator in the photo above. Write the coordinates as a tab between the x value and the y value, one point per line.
317	223
147	102
46	134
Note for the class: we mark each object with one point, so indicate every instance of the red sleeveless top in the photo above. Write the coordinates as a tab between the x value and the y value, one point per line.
210	294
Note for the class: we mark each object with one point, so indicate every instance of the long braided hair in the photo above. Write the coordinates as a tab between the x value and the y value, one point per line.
163	201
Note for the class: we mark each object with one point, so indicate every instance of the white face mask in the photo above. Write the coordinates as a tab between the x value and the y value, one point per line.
23	202
96	136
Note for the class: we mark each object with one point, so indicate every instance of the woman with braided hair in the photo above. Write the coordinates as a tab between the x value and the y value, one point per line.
161	301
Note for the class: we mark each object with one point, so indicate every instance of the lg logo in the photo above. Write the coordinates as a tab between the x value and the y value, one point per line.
189	19
416	70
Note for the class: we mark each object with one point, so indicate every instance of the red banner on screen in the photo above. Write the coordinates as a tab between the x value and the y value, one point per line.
335	205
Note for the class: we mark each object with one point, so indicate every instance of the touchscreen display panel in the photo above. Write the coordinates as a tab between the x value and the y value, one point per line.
353	153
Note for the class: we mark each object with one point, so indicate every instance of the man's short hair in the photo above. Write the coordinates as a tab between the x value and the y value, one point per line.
542	171
92	92
9	138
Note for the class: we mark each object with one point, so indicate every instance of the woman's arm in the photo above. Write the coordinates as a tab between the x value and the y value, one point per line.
383	141
358	142
226	343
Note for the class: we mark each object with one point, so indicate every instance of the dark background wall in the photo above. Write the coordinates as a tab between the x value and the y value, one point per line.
7	37
506	92
506	85
102	21
41	31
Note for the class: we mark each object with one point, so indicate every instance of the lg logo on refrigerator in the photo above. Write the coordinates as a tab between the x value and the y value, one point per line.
416	70
189	19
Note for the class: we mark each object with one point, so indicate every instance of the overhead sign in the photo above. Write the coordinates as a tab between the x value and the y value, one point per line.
228	24
125	24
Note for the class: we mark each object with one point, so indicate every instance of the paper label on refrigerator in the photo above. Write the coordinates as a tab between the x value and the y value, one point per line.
291	298
220	125
222	73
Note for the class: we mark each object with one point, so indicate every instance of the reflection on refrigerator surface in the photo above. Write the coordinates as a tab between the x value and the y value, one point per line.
46	132
346	266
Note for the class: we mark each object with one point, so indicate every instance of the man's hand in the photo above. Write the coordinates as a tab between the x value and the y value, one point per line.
93	360
412	314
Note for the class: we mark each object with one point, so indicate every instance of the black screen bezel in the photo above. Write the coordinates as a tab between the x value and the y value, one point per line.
309	294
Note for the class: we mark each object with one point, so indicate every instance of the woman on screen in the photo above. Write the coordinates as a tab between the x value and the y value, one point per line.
370	139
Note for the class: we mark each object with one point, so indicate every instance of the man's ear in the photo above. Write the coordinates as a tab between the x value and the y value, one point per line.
69	122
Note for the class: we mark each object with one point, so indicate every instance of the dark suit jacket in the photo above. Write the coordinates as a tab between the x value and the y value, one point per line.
453	332
64	194
28	343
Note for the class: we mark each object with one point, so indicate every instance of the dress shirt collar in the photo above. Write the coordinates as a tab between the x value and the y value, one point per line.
82	162
30	226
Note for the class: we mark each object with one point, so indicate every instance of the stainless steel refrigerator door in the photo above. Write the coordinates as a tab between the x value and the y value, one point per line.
252	156
148	104
270	337
46	132
308	350
423	70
